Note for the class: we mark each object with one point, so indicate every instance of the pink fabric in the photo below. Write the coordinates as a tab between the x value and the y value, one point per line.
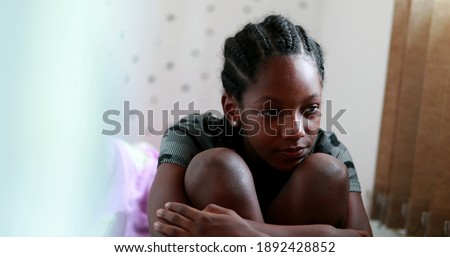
133	171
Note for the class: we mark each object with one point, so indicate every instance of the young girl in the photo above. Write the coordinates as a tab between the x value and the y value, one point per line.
266	168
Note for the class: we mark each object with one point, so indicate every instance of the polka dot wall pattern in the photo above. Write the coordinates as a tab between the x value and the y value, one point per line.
170	51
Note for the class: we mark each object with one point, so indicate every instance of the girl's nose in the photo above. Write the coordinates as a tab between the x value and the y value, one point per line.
294	128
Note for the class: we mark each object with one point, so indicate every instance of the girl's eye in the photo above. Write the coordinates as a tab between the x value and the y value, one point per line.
314	110
269	112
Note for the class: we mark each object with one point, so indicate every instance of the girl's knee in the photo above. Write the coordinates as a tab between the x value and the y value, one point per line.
215	163
323	169
222	177
319	184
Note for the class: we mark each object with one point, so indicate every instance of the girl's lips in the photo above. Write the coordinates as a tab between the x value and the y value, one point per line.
294	152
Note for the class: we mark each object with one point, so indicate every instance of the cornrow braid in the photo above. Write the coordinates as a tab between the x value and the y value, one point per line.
314	50
283	33
258	33
318	57
304	37
249	48
232	48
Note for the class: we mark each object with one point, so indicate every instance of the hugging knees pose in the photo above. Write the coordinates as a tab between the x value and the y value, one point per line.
266	168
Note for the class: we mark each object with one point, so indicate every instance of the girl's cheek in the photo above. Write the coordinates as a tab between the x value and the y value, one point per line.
312	125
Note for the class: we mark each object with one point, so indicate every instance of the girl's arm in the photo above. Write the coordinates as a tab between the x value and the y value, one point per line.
356	214
168	186
183	220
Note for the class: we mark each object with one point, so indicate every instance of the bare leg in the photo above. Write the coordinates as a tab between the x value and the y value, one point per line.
222	177
316	193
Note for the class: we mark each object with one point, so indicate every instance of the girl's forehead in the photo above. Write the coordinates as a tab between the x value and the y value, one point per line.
283	78
291	60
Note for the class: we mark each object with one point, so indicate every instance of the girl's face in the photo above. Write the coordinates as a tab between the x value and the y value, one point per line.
280	112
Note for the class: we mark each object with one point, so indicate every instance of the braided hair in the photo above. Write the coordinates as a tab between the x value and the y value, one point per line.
250	47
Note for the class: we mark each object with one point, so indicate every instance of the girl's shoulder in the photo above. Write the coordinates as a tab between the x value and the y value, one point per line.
327	142
190	135
199	124
204	131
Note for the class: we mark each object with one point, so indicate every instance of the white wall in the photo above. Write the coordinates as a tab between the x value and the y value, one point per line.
161	52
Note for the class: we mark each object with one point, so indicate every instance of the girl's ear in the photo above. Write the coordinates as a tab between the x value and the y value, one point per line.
231	109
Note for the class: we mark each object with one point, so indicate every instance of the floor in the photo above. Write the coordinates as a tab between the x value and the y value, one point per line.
380	230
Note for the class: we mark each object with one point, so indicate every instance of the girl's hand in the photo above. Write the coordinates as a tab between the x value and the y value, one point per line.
183	220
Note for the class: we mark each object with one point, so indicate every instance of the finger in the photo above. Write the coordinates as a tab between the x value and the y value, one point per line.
174	218
169	230
213	208
183	209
